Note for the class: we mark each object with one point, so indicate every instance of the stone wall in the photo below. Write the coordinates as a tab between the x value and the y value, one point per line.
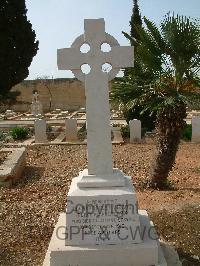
65	94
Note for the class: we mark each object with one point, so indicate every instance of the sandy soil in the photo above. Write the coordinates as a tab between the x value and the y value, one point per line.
3	156
29	211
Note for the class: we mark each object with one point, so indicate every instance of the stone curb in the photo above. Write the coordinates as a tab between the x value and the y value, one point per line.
13	166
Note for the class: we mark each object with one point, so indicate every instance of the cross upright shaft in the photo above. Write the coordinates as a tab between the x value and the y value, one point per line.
96	88
98	125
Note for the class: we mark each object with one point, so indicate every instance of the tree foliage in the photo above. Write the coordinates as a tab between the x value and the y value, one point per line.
136	21
168	64
135	112
17	44
165	81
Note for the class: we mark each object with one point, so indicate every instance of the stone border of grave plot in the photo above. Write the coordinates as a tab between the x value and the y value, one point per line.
68	143
13	166
24	143
58	143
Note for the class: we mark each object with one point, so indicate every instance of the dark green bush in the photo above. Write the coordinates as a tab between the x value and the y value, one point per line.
19	133
147	119
125	131
187	133
144	130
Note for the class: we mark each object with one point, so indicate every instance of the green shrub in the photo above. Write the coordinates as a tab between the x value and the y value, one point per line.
147	118
19	133
125	131
143	131
187	133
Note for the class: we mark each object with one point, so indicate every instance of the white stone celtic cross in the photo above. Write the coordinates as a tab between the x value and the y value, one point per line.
100	165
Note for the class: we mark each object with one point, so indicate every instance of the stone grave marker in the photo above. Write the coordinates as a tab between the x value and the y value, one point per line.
135	130
101	223
40	131
117	136
196	129
71	129
36	106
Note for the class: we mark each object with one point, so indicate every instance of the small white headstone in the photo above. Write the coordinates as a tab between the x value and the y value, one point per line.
9	111
83	109
58	111
65	112
135	130
196	129
71	129
40	131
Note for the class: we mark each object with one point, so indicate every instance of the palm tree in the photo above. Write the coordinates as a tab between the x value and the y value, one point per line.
164	81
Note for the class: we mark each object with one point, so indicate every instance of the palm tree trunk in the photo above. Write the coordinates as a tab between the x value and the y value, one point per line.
169	126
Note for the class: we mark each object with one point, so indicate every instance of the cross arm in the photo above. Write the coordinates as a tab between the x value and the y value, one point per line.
69	59
121	56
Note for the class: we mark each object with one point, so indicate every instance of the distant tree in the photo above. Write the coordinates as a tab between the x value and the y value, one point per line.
17	45
137	73
136	21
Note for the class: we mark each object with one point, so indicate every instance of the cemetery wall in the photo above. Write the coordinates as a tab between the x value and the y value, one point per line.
65	94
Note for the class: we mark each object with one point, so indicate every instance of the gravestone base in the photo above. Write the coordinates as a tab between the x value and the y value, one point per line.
147	253
128	237
102	215
85	180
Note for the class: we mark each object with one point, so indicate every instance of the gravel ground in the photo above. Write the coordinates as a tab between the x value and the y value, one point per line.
29	211
3	156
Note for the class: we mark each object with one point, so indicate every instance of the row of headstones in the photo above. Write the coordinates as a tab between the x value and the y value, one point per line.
71	132
135	130
134	125
41	129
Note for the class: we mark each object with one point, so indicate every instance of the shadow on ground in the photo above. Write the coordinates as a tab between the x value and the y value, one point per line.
181	227
31	174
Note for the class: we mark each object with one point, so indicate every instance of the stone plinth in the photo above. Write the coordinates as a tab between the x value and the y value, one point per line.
86	180
135	130
103	227
71	129
142	254
196	129
112	208
117	136
40	131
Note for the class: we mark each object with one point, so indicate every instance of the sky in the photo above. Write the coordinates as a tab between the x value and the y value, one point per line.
57	23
